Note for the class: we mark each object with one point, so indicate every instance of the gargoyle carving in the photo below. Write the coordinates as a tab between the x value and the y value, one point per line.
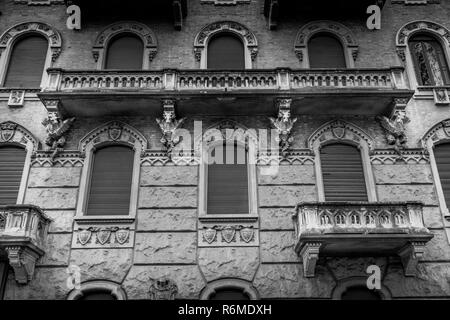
168	125
56	128
395	130
283	125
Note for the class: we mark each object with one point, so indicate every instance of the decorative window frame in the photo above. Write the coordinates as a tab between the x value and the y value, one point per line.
204	36
114	289
339	131
347	283
217	285
9	38
14	134
111	133
341	32
212	137
439	32
147	36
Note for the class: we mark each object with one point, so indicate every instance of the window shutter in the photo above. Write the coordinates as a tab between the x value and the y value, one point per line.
12	160
343	173
325	51
111	177
226	52
125	52
26	63
228	183
442	156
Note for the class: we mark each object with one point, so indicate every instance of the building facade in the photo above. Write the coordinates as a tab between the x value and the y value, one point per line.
207	149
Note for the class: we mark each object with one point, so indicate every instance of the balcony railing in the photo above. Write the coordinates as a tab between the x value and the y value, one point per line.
23	233
359	229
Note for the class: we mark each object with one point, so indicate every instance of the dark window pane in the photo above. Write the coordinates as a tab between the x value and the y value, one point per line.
228	181
343	173
360	293
26	63
3	276
229	294
97	296
12	160
125	52
110	188
226	51
325	51
442	156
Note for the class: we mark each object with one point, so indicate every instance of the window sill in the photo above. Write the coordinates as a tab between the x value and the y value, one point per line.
211	218
104	219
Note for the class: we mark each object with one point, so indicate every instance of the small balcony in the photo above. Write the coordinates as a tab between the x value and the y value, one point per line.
360	229
23	233
210	92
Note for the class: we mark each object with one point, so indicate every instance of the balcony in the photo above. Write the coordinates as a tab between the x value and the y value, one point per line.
360	229
209	92
23	232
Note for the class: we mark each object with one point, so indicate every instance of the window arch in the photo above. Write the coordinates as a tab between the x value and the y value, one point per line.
98	290
423	47
121	36
225	52
27	50
229	289
225	34
329	34
115	140
125	52
356	143
355	288
325	51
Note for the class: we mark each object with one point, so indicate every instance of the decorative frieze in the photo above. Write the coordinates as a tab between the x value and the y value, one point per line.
228	232
103	236
160	158
63	159
408	156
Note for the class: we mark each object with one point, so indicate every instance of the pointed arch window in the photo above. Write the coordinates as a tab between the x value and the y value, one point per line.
325	51
125	52
12	161
226	52
430	62
27	61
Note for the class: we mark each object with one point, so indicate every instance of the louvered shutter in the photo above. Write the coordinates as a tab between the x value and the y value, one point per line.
225	52
110	188
228	182
442	156
125	53
343	173
26	63
12	160
325	51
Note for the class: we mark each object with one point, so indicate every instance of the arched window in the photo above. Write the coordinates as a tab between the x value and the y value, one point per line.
229	294
125	52
110	187
360	293
226	51
26	62
442	156
228	180
342	173
325	51
12	160
429	60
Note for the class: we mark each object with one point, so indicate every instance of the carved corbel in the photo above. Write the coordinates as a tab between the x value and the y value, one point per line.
283	124
23	261
310	255
163	289
168	125
410	256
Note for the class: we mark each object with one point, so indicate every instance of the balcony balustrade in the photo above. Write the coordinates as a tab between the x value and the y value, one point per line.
23	234
360	229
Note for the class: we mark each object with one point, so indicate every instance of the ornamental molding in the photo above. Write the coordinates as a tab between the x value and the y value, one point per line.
114	131
408	156
53	36
439	132
43	159
105	236
292	157
343	33
246	287
414	27
228	235
13	133
147	36
339	131
160	158
95	286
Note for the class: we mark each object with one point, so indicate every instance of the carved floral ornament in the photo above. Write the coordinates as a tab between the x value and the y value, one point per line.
203	37
141	30
9	36
339	30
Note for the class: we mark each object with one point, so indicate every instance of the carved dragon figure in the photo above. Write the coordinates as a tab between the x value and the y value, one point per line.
395	130
283	125
168	127
56	128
